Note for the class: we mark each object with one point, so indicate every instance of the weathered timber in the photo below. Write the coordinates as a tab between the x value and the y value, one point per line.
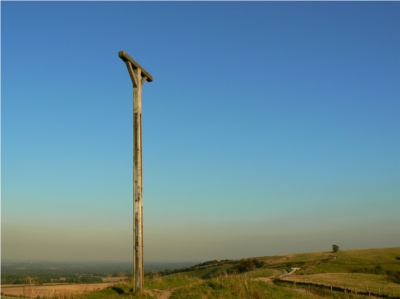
125	57
138	76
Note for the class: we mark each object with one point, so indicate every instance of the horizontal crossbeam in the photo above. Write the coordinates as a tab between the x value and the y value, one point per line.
125	57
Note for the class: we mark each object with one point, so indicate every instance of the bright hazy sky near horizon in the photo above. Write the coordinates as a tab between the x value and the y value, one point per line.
269	128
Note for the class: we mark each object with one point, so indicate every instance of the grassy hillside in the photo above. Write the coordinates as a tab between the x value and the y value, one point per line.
237	287
350	271
354	260
209	272
346	261
355	281
264	272
365	270
180	287
170	282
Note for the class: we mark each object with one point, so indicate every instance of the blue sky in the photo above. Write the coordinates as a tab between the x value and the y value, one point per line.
270	127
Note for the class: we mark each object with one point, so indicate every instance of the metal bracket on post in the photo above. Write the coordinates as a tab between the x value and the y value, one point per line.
138	76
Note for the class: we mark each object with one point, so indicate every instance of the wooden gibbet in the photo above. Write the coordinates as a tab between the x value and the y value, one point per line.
138	76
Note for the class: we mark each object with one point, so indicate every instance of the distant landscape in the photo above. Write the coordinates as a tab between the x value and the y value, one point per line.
14	272
335	273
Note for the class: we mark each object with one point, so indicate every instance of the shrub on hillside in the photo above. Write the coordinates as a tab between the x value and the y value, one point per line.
244	266
378	270
396	277
258	264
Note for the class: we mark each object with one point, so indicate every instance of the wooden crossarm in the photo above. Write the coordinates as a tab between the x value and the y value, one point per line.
125	57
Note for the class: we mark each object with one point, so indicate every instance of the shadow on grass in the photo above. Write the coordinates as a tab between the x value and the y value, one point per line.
118	290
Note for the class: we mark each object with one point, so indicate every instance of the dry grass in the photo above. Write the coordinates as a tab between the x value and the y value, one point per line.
355	281
170	282
63	291
237	287
349	260
263	272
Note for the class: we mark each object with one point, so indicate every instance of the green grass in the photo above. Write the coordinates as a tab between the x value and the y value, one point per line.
215	271
263	272
314	266
360	282
308	258
170	282
317	268
209	272
120	291
350	260
236	287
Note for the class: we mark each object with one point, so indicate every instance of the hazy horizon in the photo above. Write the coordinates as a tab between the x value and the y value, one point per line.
269	128
168	262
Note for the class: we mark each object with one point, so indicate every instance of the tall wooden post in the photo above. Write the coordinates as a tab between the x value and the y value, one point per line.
138	76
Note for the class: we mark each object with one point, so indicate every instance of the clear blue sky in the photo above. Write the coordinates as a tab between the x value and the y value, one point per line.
270	127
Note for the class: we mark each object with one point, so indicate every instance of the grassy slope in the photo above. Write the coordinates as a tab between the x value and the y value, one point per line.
115	292
170	282
236	287
357	281
346	262
318	265
338	271
349	260
262	273
229	287
209	271
125	290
